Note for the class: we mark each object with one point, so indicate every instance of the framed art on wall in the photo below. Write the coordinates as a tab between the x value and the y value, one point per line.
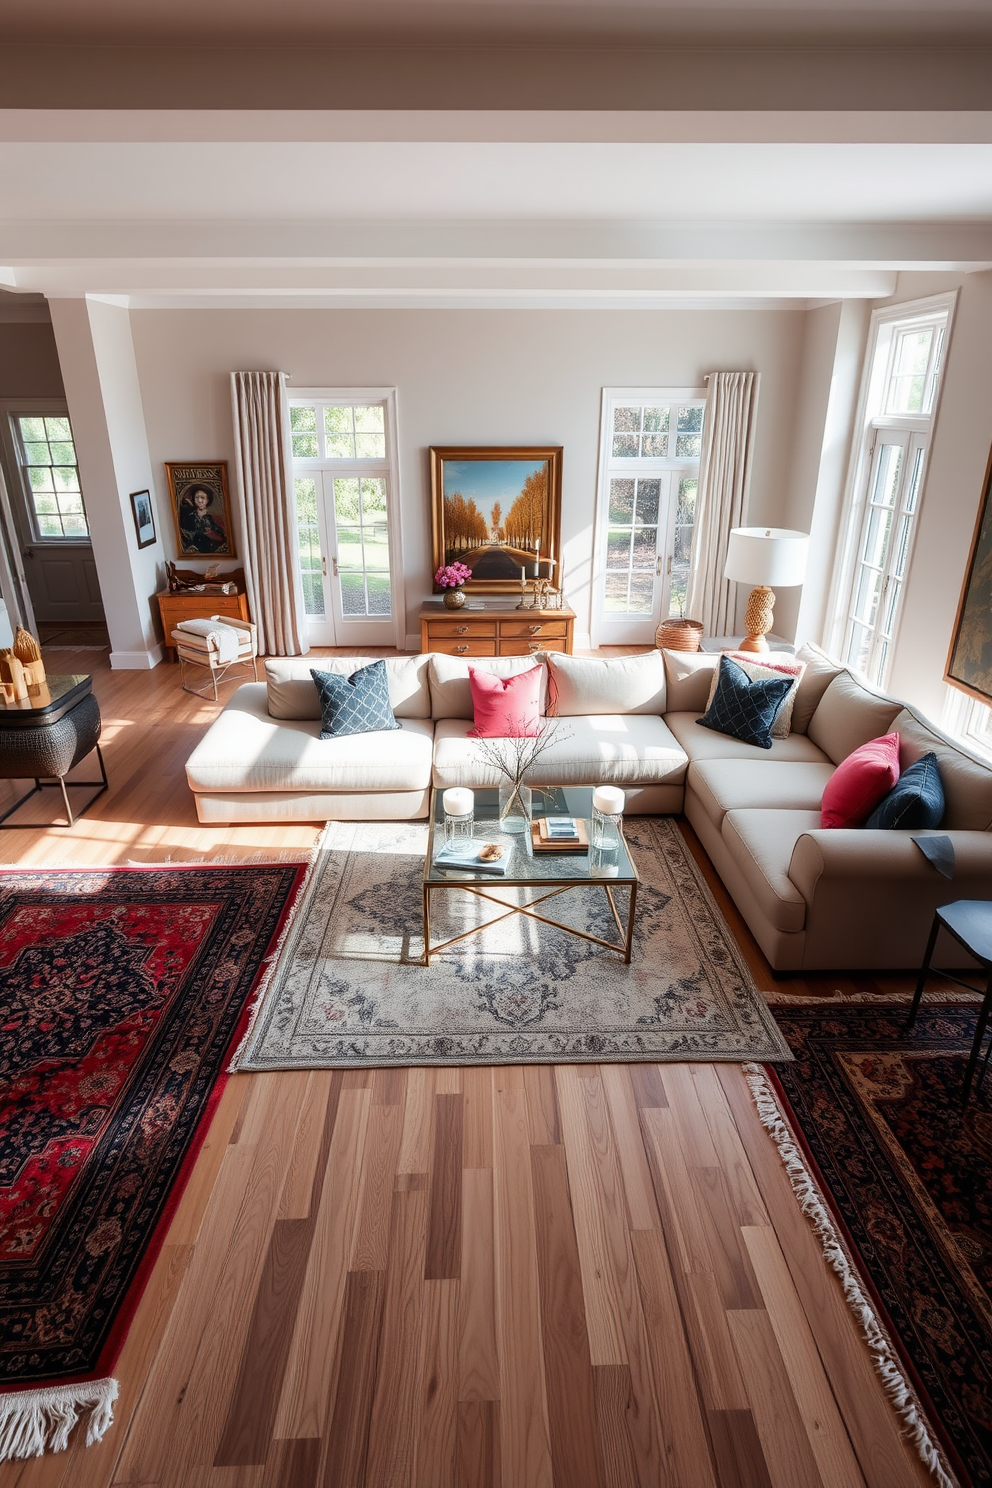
144	517
969	661
497	509
200	509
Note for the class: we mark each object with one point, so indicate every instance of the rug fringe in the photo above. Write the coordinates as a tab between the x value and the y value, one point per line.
35	1421
272	959
894	1381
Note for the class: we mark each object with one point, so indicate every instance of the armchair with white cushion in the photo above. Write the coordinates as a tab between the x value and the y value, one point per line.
218	645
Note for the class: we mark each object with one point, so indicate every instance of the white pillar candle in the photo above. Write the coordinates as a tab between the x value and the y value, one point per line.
458	801
608	799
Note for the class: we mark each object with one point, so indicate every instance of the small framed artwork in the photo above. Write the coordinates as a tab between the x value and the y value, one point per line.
497	509
144	518
200	509
969	661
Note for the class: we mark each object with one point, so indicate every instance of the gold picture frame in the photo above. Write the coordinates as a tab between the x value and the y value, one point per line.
969	658
201	510
497	508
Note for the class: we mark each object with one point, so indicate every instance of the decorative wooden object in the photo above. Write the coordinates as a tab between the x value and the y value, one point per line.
28	653
496	631
679	635
13	677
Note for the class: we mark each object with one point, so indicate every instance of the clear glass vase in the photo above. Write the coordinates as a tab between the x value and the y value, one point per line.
514	807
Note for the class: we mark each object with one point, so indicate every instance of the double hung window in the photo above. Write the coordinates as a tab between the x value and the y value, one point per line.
650	443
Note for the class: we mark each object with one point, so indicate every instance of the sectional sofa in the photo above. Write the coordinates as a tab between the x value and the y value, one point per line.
814	898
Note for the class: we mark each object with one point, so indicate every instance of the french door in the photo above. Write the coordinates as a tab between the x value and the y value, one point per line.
895	478
343	521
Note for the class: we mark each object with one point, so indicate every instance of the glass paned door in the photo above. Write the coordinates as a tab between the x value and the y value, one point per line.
894	480
344	558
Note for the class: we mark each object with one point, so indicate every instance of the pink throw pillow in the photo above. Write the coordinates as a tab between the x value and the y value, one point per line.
859	783
506	707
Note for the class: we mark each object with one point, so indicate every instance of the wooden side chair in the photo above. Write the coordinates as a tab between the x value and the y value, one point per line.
970	922
203	652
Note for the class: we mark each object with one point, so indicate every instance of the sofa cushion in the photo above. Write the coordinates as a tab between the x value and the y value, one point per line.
744	709
761	843
915	802
614	749
292	693
701	743
967	782
772	664
820	672
848	716
247	750
357	704
580	686
688	675
753	784
451	696
506	707
860	782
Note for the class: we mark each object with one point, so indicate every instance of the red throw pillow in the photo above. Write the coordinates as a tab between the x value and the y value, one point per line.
859	783
506	707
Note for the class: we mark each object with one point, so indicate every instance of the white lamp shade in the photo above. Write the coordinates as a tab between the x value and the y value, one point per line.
767	555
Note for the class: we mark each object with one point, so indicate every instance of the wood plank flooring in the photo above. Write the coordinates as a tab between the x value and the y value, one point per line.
540	1277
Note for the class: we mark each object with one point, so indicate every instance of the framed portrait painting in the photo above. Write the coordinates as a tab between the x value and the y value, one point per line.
969	661
497	509
144	517
200	509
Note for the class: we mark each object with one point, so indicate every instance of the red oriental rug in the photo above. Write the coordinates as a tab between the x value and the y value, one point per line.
123	992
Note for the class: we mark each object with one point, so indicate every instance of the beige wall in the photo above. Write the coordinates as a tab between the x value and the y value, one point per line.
468	377
29	362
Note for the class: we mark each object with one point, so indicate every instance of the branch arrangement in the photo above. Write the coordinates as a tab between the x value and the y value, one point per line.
515	756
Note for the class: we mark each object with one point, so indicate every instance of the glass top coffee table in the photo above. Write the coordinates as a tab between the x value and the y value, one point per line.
547	874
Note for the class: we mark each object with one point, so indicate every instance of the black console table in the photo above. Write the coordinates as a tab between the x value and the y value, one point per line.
43	736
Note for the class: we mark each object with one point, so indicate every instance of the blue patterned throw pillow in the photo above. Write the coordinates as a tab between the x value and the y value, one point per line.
915	801
744	709
358	704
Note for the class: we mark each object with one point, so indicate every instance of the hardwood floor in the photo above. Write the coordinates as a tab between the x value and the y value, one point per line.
520	1277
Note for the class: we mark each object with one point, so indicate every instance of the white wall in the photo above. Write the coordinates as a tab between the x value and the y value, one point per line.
468	377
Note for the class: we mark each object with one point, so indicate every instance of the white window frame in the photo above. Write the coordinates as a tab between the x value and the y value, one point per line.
357	467
26	517
644	468
870	422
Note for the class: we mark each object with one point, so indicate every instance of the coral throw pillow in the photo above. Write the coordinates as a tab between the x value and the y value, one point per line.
860	782
506	707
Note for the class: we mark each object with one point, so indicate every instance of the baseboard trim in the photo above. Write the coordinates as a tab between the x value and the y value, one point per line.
136	661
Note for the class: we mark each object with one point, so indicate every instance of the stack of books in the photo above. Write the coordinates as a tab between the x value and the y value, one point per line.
464	854
559	834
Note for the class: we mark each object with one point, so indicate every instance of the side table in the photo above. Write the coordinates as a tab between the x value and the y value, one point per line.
45	735
186	604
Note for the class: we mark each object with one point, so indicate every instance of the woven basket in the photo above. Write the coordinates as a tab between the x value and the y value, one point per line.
679	635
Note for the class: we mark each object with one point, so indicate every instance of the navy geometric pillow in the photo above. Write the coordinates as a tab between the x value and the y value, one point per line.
915	801
744	709
358	704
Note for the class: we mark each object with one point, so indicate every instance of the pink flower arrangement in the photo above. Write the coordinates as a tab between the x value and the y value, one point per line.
452	575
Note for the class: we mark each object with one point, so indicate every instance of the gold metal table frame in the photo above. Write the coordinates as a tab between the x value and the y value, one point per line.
550	884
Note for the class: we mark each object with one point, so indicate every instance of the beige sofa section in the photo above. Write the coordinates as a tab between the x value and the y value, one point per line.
814	899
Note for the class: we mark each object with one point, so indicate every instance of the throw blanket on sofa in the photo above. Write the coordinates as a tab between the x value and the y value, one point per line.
224	638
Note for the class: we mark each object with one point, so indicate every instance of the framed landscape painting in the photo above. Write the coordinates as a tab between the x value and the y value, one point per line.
200	509
497	509
969	662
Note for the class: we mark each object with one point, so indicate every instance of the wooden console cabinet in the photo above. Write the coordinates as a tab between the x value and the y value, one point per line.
187	606
497	630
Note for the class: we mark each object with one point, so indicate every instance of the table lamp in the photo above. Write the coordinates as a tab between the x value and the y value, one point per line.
764	556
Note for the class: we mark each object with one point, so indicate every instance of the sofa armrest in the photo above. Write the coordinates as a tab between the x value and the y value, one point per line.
871	855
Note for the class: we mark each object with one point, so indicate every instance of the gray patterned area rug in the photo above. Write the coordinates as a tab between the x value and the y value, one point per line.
348	992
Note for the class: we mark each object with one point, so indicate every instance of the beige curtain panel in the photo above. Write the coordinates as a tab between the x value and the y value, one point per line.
264	492
721	497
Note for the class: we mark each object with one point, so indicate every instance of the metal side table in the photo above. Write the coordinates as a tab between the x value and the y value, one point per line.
44	736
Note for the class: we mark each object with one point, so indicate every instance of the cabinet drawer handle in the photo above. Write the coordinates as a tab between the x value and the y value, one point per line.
534	629
533	646
461	648
461	630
